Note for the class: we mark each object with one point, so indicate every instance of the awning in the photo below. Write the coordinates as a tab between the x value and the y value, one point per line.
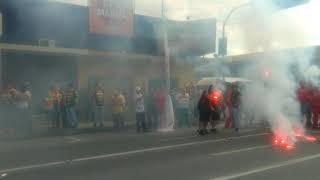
75	52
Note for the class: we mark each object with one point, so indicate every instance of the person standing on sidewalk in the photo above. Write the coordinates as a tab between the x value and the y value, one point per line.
236	100
70	101
160	100
140	110
315	104
151	111
57	98
204	108
98	103
303	96
228	103
118	106
24	106
183	104
216	98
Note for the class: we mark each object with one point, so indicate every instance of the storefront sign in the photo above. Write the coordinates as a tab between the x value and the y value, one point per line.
111	17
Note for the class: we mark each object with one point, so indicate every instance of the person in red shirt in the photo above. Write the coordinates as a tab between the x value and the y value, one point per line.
160	102
304	98
315	106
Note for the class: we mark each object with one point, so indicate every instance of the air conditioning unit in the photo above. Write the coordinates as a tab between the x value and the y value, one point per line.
52	43
47	43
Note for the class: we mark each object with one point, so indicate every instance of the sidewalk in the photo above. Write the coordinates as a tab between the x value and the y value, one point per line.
43	128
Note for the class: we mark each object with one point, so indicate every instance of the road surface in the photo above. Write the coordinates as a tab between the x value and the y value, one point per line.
161	156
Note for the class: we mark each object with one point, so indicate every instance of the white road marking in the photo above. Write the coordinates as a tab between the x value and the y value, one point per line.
35	166
73	140
178	138
164	147
240	150
104	156
266	168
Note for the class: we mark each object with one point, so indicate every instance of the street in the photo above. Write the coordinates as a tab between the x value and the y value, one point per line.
173	155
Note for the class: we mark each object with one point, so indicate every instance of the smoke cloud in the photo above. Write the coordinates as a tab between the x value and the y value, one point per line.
272	95
275	74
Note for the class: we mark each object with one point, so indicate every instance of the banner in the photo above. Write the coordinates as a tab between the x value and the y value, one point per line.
195	37
111	17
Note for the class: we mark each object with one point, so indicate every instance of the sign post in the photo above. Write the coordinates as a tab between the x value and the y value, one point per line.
1	32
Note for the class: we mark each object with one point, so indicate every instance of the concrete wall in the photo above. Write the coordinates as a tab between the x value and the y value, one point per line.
114	73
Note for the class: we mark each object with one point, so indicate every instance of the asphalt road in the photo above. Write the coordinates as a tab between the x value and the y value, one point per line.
175	155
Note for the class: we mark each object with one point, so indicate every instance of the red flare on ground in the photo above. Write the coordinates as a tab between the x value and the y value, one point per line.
299	133
289	147
311	138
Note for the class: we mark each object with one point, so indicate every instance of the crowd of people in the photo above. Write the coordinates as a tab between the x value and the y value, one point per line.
60	106
208	106
215	105
309	98
149	107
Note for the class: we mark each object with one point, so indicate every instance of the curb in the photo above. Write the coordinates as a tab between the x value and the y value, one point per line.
51	132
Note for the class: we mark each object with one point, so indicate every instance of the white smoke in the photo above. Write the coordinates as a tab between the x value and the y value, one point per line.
272	95
272	98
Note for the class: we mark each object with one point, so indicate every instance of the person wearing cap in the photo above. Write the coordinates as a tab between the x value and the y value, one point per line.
140	110
98	103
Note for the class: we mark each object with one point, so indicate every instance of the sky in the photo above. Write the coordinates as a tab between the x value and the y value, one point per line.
304	18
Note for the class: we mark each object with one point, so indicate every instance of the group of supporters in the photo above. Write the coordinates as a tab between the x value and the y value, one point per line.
149	106
60	106
214	104
15	109
309	98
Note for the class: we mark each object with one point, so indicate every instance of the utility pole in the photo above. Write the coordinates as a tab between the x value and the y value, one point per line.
166	46
223	41
167	121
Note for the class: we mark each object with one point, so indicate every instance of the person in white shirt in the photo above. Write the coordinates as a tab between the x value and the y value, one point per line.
140	110
183	107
